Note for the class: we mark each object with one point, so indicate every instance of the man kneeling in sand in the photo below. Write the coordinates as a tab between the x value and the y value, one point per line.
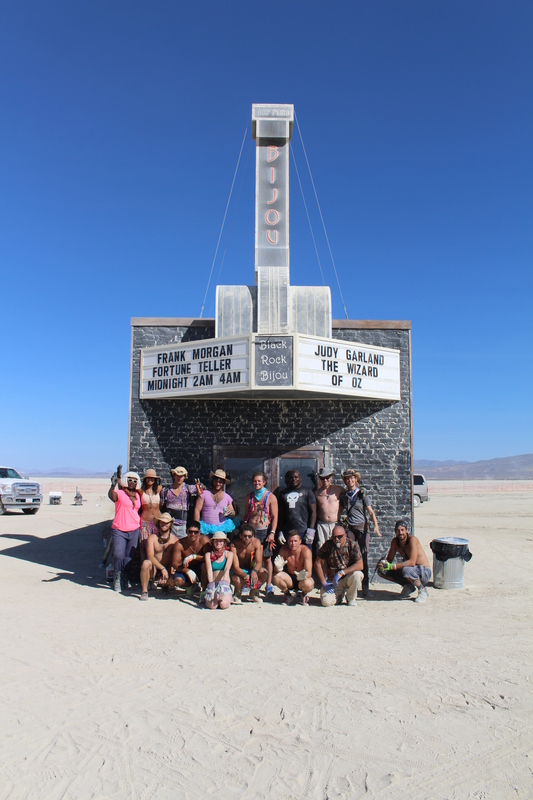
248	572
339	568
189	557
159	550
413	571
293	569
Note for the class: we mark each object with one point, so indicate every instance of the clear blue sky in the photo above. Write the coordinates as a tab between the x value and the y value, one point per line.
120	128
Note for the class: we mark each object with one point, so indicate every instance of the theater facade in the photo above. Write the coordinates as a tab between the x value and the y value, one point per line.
273	382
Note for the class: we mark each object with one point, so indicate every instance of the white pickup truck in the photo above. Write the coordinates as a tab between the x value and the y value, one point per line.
17	492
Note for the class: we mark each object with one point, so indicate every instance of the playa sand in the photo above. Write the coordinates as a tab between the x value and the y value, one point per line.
107	697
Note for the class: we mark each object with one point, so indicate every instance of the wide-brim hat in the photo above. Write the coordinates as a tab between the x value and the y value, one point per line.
219	473
166	517
151	473
219	536
326	473
179	471
349	473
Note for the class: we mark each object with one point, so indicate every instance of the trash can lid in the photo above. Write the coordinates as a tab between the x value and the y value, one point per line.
451	540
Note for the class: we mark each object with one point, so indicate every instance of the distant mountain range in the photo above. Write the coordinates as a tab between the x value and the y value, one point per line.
495	469
66	472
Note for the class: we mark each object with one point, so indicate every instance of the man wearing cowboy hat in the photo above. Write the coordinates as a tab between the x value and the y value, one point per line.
327	505
214	508
355	503
159	550
177	499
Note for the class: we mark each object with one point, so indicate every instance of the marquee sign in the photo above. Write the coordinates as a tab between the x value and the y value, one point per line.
340	367
272	364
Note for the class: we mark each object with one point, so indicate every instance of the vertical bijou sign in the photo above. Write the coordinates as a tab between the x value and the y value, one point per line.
272	186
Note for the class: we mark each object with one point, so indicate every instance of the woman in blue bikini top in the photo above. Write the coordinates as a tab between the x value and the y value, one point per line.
218	565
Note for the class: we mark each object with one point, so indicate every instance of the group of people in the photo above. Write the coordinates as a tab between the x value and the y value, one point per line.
190	537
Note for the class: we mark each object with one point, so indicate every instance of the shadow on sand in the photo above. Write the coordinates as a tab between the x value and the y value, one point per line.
73	555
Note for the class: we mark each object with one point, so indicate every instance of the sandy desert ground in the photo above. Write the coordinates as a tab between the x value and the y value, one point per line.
107	697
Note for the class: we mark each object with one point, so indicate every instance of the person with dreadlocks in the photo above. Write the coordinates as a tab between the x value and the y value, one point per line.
261	512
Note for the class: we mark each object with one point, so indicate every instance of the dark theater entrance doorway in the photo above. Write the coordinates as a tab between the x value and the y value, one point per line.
241	462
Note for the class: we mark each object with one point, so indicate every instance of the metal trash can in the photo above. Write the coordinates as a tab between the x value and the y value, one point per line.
449	556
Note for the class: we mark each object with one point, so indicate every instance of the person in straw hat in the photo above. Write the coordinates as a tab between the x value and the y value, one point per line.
214	509
218	565
159	551
177	499
150	495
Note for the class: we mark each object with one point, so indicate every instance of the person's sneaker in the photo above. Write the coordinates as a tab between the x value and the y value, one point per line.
116	582
407	590
102	565
255	596
270	592
288	598
305	600
144	596
422	595
237	600
352	603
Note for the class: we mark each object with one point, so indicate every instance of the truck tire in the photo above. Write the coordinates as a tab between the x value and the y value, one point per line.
30	510
416	501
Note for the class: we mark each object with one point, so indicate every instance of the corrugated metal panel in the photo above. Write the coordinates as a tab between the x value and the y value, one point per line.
236	310
273	299
311	310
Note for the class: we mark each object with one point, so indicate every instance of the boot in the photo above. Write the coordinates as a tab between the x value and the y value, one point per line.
254	594
117	579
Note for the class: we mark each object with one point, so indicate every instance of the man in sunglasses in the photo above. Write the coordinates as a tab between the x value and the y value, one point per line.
248	571
339	568
188	558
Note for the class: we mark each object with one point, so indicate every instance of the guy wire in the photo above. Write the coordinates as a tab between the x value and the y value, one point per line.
223	221
307	212
321	217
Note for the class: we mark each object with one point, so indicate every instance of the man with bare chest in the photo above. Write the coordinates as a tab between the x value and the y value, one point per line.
248	572
261	511
293	570
189	557
327	505
413	569
159	551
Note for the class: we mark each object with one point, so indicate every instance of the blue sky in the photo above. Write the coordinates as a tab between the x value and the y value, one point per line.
120	129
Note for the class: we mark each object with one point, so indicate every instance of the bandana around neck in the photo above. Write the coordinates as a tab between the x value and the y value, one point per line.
259	494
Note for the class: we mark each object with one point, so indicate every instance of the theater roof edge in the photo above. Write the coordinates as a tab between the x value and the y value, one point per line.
337	324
